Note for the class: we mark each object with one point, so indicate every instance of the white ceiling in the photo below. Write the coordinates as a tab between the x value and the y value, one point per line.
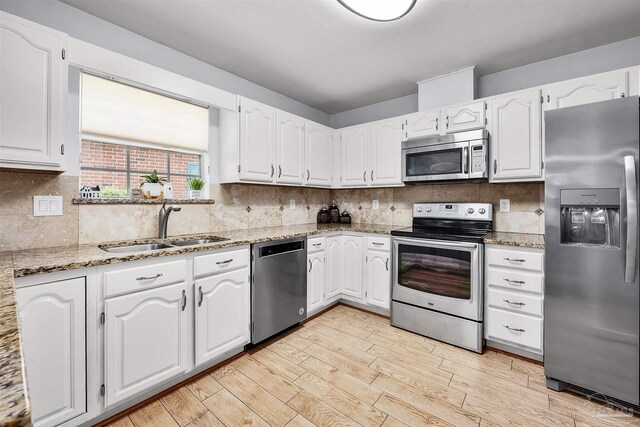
321	54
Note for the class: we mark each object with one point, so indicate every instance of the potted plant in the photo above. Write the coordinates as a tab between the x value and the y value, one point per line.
195	188
152	186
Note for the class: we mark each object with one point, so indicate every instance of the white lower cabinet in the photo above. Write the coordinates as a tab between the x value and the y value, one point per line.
334	267
378	274
52	331
352	257
146	339
316	280
514	299
222	314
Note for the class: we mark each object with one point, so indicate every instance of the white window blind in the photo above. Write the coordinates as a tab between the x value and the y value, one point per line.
117	110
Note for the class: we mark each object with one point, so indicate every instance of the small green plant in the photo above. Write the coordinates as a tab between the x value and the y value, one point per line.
113	192
196	183
154	178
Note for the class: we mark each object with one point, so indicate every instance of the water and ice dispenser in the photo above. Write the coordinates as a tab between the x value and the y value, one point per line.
590	217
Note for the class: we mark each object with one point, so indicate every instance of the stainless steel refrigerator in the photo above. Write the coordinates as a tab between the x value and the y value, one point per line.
592	302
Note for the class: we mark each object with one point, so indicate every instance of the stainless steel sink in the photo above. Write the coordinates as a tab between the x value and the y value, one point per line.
138	248
193	242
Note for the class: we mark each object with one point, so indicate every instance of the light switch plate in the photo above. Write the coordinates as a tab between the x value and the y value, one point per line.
505	205
375	204
47	205
292	203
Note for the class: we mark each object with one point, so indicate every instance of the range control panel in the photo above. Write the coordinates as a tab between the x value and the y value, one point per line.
476	211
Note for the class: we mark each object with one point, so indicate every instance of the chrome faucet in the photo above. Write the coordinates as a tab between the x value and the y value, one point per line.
163	219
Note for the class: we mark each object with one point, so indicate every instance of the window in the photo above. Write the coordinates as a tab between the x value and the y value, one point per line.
128	132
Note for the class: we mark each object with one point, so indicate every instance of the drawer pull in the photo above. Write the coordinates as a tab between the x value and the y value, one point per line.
200	296
513	329
514	282
149	277
378	243
514	259
521	304
226	261
184	299
315	245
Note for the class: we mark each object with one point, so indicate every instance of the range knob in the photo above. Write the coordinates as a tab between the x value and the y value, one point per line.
470	210
428	209
419	209
482	210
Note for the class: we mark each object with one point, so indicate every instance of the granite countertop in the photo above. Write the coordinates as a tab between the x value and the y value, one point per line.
14	405
515	239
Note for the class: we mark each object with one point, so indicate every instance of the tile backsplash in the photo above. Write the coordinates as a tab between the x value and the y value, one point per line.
238	206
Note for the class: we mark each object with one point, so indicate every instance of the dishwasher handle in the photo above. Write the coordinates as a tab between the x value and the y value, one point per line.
281	248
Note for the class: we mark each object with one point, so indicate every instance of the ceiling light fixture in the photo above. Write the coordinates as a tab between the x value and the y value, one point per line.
379	10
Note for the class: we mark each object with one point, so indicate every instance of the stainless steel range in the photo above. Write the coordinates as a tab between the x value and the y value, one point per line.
438	272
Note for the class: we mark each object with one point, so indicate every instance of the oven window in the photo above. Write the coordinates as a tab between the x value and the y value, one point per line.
435	271
440	162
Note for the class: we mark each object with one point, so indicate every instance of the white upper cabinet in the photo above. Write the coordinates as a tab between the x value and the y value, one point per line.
354	143
146	338
257	141
290	149
52	331
222	314
352	257
319	152
516	138
422	124
600	87
384	152
465	117
33	91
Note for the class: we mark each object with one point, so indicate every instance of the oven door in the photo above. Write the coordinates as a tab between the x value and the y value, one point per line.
439	275
436	163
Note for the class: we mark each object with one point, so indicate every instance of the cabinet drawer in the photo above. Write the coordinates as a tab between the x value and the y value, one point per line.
515	301
316	244
379	243
144	277
515	328
510	279
521	260
220	262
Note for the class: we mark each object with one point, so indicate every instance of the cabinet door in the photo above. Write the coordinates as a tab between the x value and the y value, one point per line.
316	274
516	139
33	89
465	117
334	267
354	156
378	278
145	340
222	314
422	124
52	331
257	141
352	258
290	149
319	152
601	87
385	150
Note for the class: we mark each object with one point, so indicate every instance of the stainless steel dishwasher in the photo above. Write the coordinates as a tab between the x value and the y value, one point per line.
278	286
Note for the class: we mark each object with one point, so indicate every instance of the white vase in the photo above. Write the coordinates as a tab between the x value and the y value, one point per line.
152	190
195	194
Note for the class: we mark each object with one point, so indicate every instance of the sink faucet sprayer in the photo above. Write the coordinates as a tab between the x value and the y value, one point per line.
163	219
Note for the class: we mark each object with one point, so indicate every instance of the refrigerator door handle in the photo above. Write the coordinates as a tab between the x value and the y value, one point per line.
631	189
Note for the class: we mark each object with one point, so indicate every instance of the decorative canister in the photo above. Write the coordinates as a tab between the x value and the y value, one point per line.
323	216
345	218
334	212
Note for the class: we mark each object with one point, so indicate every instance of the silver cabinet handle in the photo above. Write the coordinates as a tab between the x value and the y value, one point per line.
437	123
521	304
495	166
447	123
364	176
317	244
631	190
513	329
200	296
272	171
377	243
149	277
184	299
371	175
308	174
279	171
226	261
514	282
310	266
386	264
514	259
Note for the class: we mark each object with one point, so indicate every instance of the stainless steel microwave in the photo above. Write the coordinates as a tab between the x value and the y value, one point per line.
457	156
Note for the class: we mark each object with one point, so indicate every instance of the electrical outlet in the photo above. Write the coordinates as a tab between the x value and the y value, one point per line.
375	204
505	205
292	203
47	205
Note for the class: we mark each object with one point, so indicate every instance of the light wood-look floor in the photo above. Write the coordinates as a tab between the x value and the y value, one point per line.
349	368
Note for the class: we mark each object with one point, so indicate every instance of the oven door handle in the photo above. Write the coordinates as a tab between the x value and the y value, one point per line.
436	243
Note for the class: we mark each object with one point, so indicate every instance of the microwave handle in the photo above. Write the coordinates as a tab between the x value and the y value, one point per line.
465	157
632	218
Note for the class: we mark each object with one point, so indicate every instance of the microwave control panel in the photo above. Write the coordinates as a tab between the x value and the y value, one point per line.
478	159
